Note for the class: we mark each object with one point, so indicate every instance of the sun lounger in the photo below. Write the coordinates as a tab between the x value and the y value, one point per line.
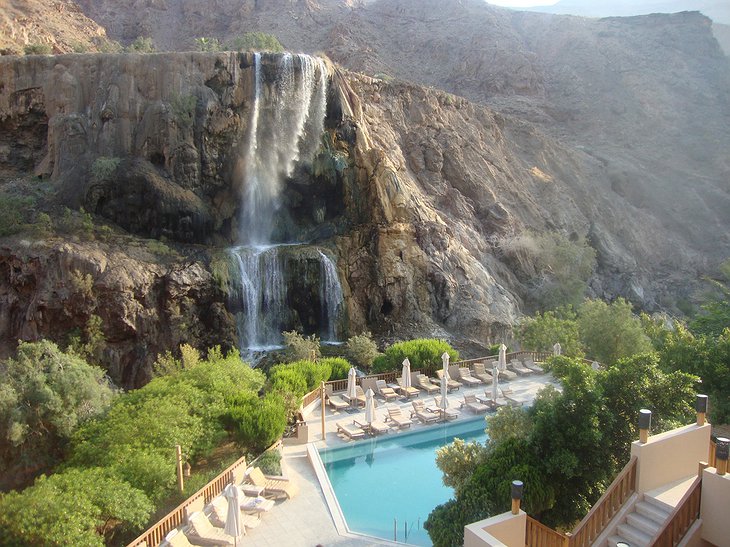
530	364
218	513
374	428
254	505
382	389
409	392
424	415
470	401
202	532
463	375
517	366
273	486
350	431
335	401
451	414
504	375
176	538
396	416
421	381
452	384
481	373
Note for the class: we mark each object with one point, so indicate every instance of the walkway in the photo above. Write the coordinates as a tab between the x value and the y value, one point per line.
305	520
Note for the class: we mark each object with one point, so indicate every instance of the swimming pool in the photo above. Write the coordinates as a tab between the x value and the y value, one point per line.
386	486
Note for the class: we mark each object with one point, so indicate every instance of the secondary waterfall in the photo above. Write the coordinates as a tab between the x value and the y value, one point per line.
287	121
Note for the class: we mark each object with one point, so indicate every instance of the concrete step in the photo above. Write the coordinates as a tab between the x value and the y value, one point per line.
634	537
653	511
644	524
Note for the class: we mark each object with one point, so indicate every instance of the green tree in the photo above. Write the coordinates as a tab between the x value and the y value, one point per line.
207	44
611	331
299	347
141	44
543	330
255	41
81	507
715	315
361	350
45	394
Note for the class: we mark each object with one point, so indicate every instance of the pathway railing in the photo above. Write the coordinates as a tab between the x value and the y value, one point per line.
157	532
539	535
606	507
682	518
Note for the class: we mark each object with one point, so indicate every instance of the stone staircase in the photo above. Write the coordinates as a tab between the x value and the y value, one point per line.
640	526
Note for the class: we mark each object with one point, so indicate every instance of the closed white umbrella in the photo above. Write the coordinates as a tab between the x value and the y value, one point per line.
557	350
444	396
495	383
369	407
502	357
406	373
351	386
233	516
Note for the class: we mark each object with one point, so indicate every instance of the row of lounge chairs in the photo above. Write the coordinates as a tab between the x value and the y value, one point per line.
205	527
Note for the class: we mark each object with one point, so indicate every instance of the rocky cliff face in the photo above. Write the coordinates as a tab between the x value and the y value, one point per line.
415	191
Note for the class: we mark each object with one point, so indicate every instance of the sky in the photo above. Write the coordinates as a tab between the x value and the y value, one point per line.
522	3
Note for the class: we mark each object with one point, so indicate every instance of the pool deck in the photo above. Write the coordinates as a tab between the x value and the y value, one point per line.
306	520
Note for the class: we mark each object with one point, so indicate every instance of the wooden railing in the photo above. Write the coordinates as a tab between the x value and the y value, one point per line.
539	535
682	518
155	534
606	507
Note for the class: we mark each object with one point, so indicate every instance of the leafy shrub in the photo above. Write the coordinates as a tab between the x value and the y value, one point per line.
339	367
361	350
38	49
257	423
207	44
141	44
256	41
104	167
183	108
423	353
299	347
270	462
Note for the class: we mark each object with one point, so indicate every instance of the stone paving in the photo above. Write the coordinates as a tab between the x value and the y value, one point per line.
307	520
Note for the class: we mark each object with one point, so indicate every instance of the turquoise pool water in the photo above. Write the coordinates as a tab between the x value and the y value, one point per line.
394	478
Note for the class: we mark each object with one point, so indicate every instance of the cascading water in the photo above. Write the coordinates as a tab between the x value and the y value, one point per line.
287	120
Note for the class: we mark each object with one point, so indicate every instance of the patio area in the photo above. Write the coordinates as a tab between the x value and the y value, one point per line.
311	518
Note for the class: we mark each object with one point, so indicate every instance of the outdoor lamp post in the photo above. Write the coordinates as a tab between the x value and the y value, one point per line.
701	408
722	447
517	488
644	425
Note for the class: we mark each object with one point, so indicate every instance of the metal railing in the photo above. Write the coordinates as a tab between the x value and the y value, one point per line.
175	518
682	518
606	507
539	535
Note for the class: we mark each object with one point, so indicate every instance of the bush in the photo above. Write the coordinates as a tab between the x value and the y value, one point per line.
256	41
257	423
141	45
299	347
423	353
207	44
361	350
38	49
270	462
103	168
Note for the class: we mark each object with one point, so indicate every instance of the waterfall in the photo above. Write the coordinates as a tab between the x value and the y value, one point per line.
287	120
330	294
